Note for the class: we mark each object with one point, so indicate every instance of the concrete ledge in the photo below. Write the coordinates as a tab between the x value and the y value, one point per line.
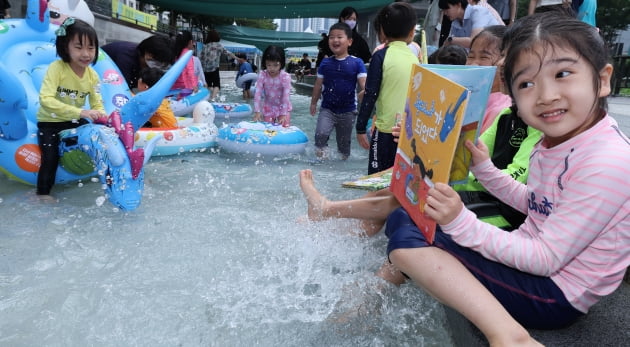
607	324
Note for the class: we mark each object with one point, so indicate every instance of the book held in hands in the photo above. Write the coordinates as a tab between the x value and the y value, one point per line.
445	106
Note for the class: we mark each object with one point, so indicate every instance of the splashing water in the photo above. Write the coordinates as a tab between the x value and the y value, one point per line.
213	257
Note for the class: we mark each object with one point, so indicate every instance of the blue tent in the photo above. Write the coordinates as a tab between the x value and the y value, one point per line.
236	47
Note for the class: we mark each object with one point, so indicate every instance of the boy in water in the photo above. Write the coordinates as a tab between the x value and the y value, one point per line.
338	75
245	68
387	83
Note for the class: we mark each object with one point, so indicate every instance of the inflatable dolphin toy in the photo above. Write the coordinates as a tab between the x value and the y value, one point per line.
26	49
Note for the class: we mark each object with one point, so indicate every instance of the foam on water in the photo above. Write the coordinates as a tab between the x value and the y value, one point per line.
214	256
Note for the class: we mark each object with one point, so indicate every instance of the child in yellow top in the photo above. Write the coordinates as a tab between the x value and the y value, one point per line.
69	81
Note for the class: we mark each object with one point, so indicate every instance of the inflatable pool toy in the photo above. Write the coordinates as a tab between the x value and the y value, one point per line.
231	111
185	105
59	10
248	77
192	134
26	49
261	138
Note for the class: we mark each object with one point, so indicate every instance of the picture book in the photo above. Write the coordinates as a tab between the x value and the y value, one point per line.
430	147
478	80
375	181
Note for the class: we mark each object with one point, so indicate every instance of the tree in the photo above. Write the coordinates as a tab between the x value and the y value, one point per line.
613	16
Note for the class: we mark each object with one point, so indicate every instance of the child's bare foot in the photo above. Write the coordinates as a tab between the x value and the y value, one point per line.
314	198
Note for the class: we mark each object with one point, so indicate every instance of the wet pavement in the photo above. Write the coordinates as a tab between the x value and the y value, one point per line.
619	108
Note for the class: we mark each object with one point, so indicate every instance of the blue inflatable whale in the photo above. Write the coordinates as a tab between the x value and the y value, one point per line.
26	49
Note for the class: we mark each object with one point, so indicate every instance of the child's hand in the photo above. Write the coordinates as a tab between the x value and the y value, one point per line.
91	114
396	131
283	120
479	152
443	204
363	141
257	117
313	109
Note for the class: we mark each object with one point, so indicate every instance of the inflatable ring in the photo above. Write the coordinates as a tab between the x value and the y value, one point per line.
261	138
248	77
26	49
229	111
185	105
191	135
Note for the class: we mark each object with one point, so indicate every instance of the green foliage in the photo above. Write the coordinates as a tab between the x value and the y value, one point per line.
612	17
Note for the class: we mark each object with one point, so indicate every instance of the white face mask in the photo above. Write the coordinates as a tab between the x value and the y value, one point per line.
156	64
351	23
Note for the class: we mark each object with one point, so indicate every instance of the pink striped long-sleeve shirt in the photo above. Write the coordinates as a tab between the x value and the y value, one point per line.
577	201
272	94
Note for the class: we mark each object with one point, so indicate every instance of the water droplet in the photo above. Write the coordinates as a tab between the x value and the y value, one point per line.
100	200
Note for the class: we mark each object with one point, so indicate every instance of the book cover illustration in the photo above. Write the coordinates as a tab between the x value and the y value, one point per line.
426	147
375	181
478	80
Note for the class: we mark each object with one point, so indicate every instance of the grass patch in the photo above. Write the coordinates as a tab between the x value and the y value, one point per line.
624	91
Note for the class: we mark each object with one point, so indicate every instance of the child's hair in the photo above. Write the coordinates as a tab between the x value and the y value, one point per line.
241	55
547	31
273	53
493	33
396	20
151	75
70	28
449	55
443	4
341	26
159	46
181	41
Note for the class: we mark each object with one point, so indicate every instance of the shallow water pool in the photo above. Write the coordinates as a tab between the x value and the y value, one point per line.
214	256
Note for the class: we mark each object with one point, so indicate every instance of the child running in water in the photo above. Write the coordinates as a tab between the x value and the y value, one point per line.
67	84
336	83
573	247
271	101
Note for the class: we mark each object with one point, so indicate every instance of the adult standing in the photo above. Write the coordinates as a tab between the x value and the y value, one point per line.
5	5
585	11
211	59
130	57
506	9
466	21
359	47
323	51
562	6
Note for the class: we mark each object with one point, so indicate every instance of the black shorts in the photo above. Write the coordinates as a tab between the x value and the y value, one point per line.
213	79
